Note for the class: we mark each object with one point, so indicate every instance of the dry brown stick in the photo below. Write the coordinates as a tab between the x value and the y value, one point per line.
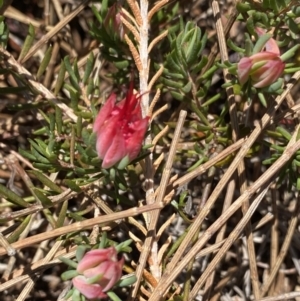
285	246
51	66
5	5
243	151
291	148
189	269
107	210
6	245
24	273
11	62
21	275
287	296
214	50
233	236
220	237
15	14
274	234
203	168
170	275
235	134
79	226
215	247
162	286
161	194
218	287
30	281
54	31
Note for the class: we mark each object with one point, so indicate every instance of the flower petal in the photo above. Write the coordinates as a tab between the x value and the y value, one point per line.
95	257
268	74
135	139
109	271
90	291
105	111
271	45
116	150
243	69
105	136
263	56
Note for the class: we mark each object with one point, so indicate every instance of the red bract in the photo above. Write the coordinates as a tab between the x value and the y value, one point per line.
264	67
112	22
99	271
120	129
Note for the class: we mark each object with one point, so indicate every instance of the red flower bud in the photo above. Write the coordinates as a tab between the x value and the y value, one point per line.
120	129
99	271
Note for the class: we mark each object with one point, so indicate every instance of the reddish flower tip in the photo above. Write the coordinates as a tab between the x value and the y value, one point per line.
120	129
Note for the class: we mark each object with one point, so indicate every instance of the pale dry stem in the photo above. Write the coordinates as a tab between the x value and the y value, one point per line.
12	63
148	244
174	266
79	226
287	240
232	104
54	31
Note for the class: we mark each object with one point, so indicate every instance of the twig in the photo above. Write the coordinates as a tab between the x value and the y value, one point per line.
154	217
220	237
235	135
285	246
79	226
11	62
55	30
172	269
287	296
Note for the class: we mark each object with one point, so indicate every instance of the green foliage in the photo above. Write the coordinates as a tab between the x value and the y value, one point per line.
184	62
3	32
45	62
290	171
113	49
13	197
28	42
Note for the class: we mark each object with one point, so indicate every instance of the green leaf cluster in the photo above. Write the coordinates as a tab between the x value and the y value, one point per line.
290	173
184	62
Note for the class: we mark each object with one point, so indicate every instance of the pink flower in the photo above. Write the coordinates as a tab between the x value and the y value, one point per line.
264	67
120	129
99	271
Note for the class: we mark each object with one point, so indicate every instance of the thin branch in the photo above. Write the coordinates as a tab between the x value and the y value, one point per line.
79	226
173	268
12	63
232	104
160	197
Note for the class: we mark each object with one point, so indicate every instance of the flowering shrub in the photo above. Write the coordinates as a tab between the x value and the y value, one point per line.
120	129
219	119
